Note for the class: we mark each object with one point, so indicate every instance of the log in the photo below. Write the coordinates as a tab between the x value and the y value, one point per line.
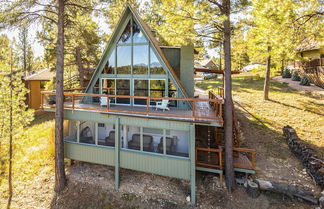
287	189
314	165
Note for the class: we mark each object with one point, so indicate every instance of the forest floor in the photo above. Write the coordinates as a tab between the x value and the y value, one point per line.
92	186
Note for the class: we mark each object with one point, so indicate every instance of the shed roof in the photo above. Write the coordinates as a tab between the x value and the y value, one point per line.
41	75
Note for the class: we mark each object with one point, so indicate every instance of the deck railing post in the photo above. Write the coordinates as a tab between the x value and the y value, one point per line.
252	159
193	109
220	111
108	101
220	159
147	105
42	97
73	99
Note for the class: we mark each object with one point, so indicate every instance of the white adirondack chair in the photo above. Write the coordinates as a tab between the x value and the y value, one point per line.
162	105
104	101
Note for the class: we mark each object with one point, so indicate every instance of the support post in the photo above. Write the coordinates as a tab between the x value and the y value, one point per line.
96	133
78	131
117	152
193	164
141	138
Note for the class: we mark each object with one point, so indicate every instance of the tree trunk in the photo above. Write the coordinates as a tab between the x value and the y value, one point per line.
228	120
282	66
10	144
80	65
267	77
60	179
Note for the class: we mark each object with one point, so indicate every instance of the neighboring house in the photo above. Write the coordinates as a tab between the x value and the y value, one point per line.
252	66
206	64
312	61
35	83
139	111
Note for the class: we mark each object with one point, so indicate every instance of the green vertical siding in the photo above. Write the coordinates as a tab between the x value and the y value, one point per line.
89	153
150	163
186	69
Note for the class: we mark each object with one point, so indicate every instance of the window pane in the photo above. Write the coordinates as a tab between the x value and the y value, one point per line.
110	65
95	90
87	132
106	134
125	37
131	137
123	88
177	143
108	87
138	36
155	65
140	59
140	89
123	59
157	89
70	130
172	93
157	139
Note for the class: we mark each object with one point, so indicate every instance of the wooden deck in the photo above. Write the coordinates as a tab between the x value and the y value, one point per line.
202	109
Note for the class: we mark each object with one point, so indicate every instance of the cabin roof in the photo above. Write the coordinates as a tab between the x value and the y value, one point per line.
41	75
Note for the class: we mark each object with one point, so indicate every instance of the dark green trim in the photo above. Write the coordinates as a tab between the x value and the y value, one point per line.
155	154
244	170
211	170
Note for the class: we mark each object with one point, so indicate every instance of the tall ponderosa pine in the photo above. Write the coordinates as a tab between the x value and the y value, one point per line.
13	110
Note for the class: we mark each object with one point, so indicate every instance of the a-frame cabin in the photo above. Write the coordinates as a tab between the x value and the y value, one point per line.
139	111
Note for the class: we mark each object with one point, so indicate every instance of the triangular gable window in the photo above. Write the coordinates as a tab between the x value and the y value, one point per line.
125	38
155	65
138	36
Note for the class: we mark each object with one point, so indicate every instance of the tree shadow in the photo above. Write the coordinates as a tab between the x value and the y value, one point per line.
41	118
308	108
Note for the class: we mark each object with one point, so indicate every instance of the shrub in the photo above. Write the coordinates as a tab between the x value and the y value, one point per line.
286	74
305	81
295	76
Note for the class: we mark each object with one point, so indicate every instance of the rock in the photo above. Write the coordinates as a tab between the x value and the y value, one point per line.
321	202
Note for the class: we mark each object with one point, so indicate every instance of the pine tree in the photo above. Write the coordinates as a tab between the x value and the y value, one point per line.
13	109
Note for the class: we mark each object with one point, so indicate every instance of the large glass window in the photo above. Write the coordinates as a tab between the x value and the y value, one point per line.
126	36
95	90
123	88
87	132
108	87
123	59
70	130
157	89
177	143
106	134
172	93
140	59
155	65
131	137
138	36
110	65
140	89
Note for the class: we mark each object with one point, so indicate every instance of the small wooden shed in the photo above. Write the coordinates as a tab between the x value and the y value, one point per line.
36	83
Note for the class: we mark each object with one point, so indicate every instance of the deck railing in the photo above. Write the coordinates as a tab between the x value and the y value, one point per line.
212	158
243	157
75	101
220	96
